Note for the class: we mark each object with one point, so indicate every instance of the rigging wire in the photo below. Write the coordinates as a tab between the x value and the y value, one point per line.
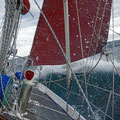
77	81
97	87
10	38
102	89
92	85
97	14
83	98
115	31
21	1
14	73
107	105
81	44
98	32
9	29
99	29
89	52
13	45
96	46
79	28
95	65
113	83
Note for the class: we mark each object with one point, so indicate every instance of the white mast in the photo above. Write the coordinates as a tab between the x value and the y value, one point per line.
67	40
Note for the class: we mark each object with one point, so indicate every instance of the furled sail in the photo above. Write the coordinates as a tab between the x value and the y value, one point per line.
13	9
89	26
9	29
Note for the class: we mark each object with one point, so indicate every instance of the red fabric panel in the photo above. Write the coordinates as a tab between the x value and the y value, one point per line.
27	8
45	50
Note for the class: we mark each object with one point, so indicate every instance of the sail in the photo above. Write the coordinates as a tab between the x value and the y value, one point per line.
89	26
9	30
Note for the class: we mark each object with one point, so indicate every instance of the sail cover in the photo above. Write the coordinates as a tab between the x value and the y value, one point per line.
89	26
26	7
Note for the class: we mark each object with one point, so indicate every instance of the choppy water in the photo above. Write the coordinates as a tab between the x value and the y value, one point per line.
102	76
96	96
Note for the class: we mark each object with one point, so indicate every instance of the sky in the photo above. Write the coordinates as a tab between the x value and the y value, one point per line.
29	23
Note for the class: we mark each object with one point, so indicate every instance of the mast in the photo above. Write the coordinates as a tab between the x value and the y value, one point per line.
67	40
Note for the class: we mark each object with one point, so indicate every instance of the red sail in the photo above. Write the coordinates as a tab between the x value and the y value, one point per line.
94	18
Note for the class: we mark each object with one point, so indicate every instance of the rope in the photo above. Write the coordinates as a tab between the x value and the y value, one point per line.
97	14
106	90
10	22
79	27
81	44
21	1
94	31
115	32
66	58
83	98
9	33
6	98
107	105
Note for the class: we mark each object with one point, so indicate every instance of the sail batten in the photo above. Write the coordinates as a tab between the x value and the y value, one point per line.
94	18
